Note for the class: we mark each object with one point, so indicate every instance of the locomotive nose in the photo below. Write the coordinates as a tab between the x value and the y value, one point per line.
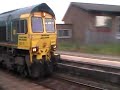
44	44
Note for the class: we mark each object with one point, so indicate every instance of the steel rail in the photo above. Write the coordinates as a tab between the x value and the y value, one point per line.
76	82
72	69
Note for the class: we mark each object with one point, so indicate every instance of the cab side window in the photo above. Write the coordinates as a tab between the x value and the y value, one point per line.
20	26
23	26
15	25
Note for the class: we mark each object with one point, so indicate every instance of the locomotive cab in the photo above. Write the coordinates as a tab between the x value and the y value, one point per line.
43	35
43	41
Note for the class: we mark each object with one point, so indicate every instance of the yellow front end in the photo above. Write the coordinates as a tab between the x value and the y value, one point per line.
41	45
43	36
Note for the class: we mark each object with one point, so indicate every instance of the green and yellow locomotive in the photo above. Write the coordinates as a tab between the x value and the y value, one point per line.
28	40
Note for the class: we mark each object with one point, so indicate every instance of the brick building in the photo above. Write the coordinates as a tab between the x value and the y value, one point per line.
90	23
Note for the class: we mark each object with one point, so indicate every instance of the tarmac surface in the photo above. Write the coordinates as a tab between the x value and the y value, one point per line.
86	55
104	60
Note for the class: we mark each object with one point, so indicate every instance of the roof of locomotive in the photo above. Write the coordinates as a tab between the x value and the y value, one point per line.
14	14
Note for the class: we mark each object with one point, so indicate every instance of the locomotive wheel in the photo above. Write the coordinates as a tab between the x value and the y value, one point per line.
48	68
24	72
20	69
37	70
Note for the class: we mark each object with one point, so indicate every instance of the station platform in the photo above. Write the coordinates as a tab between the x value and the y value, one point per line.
105	60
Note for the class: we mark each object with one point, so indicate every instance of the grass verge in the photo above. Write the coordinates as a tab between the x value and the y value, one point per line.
108	49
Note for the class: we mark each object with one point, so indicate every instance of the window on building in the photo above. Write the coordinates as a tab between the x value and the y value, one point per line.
118	24
64	33
103	21
117	36
20	26
119	28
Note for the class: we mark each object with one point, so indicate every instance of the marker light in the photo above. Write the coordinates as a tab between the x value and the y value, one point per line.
43	14
54	47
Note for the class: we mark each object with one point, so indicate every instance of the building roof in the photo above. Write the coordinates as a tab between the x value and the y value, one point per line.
16	13
109	9
97	7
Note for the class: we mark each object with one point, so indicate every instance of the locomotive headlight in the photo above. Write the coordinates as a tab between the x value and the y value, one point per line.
54	47
34	49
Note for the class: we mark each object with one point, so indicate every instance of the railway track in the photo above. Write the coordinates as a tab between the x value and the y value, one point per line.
104	77
60	82
68	76
90	84
12	81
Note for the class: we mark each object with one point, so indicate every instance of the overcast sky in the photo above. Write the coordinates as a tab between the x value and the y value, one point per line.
58	6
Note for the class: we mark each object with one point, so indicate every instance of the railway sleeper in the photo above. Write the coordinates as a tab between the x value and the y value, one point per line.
89	73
